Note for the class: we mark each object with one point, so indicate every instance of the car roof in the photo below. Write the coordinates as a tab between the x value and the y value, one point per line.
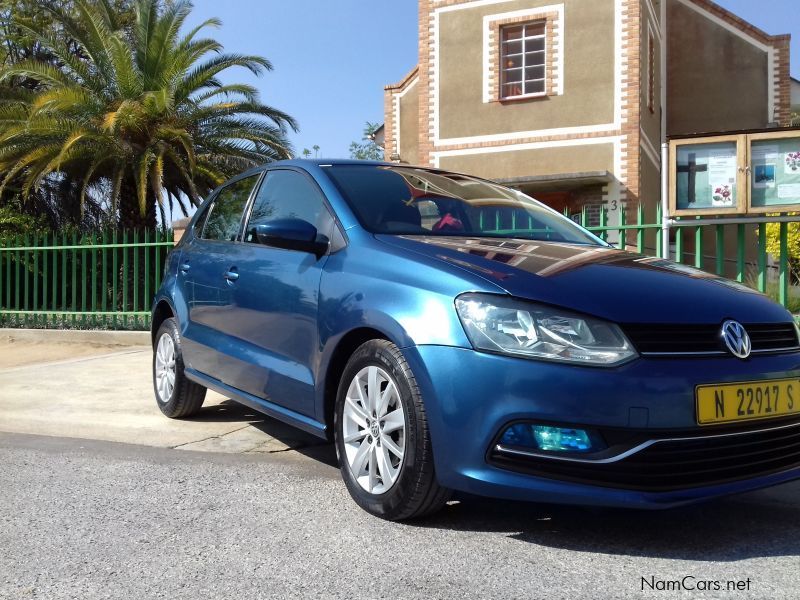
308	162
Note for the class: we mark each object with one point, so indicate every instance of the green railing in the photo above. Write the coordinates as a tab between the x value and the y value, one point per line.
107	279
101	280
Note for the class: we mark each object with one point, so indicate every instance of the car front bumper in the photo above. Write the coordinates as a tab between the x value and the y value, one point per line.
471	397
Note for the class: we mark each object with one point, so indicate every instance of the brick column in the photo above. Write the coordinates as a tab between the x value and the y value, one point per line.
783	89
425	98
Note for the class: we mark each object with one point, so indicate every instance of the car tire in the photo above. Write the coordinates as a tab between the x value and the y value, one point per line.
381	436
176	395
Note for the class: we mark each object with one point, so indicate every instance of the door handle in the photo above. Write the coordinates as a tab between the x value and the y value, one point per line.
231	275
184	268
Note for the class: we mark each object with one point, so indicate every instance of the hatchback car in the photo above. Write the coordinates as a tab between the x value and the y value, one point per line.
450	334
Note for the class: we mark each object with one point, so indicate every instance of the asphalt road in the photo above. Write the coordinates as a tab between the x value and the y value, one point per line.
94	519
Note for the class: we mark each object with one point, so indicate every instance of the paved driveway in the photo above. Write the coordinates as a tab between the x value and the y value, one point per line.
261	513
106	394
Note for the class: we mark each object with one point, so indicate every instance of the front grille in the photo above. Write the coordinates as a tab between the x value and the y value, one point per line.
668	340
675	464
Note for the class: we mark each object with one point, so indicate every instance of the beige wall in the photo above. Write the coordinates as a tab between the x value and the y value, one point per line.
543	161
650	121
716	80
650	187
588	75
409	125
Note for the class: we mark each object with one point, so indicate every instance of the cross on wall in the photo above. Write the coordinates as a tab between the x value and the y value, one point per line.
692	168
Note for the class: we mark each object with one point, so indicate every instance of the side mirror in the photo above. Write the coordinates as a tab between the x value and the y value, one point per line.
290	234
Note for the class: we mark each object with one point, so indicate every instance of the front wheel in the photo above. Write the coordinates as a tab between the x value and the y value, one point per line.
382	438
176	395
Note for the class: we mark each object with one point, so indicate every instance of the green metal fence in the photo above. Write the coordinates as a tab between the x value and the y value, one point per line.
101	280
107	279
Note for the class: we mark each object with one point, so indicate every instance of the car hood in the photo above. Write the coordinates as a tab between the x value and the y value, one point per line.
612	284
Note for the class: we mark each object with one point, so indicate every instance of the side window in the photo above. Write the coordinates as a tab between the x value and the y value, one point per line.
288	195
225	216
201	220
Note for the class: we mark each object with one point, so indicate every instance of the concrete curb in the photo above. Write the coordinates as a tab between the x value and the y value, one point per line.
76	336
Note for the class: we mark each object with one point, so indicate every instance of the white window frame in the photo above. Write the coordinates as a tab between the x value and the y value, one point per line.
538	23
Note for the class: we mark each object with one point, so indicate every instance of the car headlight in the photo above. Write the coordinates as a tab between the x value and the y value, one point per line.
509	326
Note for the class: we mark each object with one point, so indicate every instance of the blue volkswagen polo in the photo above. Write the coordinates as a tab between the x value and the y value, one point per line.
450	334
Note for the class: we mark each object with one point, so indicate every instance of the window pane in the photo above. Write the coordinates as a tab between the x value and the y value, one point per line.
534	87
534	73
287	195
533	59
512	89
512	62
512	76
534	29
226	213
533	45
201	220
512	48
512	33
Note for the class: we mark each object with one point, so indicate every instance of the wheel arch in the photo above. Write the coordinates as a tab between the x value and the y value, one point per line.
341	353
161	312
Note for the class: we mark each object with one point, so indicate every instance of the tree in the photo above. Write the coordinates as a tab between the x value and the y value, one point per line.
367	149
306	152
773	240
56	203
139	110
316	150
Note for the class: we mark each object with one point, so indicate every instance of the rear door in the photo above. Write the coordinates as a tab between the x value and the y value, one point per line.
277	294
208	269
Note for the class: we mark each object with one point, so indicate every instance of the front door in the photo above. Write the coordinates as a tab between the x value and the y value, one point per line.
277	294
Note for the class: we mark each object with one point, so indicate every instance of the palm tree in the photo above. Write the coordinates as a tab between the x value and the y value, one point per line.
306	152
316	150
140	111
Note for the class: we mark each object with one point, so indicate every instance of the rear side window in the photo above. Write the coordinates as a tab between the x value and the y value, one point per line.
225	215
288	195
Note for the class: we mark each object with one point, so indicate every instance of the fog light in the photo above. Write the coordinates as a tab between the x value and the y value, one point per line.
550	439
560	439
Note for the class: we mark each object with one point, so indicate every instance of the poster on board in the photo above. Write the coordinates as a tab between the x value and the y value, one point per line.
706	177
775	174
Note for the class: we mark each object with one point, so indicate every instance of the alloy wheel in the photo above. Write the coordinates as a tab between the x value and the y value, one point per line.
165	367
374	430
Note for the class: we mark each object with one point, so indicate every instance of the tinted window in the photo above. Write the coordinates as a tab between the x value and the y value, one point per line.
409	201
201	220
288	195
225	217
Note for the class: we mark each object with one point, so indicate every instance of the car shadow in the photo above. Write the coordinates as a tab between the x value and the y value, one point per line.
226	411
295	440
757	524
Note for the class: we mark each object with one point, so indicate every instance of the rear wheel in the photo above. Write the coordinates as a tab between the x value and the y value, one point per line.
176	395
382	438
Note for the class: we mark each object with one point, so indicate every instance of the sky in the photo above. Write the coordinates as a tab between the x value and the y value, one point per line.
332	58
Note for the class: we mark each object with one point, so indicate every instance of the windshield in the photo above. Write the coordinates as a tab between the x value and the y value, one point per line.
412	201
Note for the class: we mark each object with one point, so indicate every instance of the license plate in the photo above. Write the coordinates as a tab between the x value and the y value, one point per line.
747	401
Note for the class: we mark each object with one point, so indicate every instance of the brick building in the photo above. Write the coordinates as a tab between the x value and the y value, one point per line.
570	101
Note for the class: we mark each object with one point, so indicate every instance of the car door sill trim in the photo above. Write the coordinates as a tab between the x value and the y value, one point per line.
271	409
